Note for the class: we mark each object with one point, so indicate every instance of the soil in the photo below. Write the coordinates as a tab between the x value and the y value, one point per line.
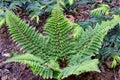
17	71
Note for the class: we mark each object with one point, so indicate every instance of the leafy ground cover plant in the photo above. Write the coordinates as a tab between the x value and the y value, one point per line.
44	54
110	46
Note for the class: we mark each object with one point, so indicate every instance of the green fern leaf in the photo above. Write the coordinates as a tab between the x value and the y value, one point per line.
86	66
25	36
91	40
25	58
37	65
58	29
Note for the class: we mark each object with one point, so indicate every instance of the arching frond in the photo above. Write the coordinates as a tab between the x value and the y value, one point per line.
25	35
38	66
85	66
91	40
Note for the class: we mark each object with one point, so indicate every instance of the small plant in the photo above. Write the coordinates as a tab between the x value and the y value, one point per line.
63	43
116	60
111	43
103	9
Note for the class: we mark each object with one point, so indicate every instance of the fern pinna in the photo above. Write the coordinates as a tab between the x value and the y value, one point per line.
44	53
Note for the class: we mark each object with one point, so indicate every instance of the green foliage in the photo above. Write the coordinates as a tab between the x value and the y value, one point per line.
61	43
78	31
27	37
35	17
58	32
103	9
2	18
71	2
80	68
111	43
116	59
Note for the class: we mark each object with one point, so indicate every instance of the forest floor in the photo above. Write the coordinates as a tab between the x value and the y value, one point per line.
17	71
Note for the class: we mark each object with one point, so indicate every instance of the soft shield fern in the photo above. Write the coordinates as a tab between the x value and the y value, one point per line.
44	53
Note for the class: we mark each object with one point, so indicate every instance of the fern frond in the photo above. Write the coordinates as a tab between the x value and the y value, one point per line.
85	66
91	40
25	58
77	31
31	41
58	29
102	9
37	65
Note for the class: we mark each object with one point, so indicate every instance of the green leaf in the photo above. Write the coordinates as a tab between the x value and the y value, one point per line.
102	9
35	17
114	63
71	2
2	19
25	35
2	22
91	40
77	32
58	30
86	66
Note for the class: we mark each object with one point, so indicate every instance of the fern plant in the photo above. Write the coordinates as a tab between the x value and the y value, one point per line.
44	53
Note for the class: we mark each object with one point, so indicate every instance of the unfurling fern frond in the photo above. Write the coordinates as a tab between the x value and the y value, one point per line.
60	43
103	9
